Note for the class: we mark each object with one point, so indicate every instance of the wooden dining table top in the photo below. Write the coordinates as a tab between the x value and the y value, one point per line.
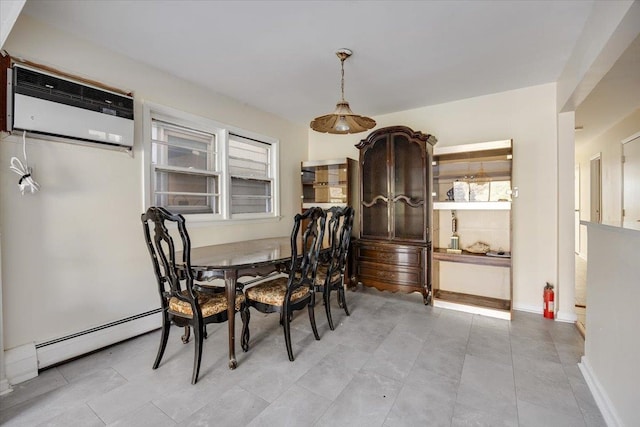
245	254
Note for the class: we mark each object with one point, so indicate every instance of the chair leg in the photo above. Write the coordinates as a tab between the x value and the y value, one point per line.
342	297
286	324
312	318
187	334
197	357
326	296
164	337
246	317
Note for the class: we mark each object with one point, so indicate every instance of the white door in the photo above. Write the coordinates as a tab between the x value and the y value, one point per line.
596	190
576	206
631	183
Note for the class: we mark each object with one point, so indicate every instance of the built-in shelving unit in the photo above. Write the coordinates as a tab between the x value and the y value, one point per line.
472	183
327	183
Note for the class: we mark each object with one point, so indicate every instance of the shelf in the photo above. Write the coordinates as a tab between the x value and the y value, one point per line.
456	175
467	149
501	206
328	184
330	162
475	304
470	258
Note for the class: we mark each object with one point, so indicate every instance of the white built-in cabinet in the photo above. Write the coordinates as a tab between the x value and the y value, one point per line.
472	186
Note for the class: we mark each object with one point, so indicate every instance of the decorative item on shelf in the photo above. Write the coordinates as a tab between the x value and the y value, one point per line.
450	195
342	120
478	248
461	191
455	239
500	191
479	187
499	254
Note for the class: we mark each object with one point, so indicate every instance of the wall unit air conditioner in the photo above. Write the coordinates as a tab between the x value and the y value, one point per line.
56	107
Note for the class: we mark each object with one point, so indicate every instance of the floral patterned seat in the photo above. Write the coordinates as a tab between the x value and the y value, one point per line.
274	292
296	291
176	286
209	304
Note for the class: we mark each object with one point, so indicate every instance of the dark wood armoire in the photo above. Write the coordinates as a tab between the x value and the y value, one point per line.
393	251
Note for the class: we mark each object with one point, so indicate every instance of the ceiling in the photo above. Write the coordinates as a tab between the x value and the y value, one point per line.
616	96
279	56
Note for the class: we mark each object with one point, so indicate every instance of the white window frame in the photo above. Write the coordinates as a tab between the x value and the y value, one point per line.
270	178
221	131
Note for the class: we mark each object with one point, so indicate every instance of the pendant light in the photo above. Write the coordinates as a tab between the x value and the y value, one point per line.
342	120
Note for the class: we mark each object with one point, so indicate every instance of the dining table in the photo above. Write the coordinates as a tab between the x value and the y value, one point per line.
231	261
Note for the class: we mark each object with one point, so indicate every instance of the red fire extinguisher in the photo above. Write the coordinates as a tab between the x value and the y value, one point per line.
548	297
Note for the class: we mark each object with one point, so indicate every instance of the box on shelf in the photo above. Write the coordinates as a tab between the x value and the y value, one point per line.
461	191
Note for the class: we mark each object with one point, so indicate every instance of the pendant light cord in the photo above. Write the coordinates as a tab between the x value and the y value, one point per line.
342	81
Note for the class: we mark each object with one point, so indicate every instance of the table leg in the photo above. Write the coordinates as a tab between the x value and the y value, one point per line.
230	280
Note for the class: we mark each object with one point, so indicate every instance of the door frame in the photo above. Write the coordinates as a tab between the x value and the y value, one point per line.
625	141
598	185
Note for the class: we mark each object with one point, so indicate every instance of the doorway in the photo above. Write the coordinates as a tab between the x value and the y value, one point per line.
580	291
631	182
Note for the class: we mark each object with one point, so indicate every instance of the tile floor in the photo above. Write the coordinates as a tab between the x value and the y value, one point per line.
393	362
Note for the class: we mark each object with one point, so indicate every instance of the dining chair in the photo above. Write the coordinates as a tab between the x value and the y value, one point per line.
181	303
331	269
285	295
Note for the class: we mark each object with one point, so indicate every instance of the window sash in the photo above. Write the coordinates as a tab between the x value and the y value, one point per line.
250	168
185	179
177	191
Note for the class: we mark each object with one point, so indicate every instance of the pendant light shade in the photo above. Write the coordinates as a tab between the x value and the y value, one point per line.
342	120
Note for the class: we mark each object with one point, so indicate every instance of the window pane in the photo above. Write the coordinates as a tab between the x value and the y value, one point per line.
187	190
248	168
178	156
249	158
182	147
250	196
186	204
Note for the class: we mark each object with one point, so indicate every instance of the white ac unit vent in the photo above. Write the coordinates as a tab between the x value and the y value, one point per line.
57	107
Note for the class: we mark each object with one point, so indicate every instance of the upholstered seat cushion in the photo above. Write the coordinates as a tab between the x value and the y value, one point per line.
321	276
209	304
273	292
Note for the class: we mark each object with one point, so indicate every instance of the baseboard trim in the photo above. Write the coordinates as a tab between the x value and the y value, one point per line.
563	316
581	329
59	350
22	363
5	387
528	308
473	309
599	394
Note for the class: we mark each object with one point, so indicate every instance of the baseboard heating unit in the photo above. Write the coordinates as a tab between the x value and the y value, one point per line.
23	363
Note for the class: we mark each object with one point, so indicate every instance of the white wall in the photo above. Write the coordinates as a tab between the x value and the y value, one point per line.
610	361
609	146
73	254
528	116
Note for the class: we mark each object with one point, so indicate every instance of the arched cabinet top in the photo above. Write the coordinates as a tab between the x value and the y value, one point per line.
394	130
